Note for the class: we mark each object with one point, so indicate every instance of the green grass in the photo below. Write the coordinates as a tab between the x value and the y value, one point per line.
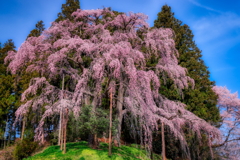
81	151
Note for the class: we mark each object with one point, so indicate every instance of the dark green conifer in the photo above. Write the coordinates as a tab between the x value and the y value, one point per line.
8	100
38	30
201	100
67	9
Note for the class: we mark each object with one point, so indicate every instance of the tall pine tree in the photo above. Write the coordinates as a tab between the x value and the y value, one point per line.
67	9
38	30
8	98
200	100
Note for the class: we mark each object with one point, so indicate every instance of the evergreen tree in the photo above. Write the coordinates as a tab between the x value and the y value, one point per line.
7	97
200	100
67	9
38	30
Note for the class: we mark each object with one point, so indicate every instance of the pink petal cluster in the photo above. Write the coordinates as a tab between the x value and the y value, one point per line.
229	106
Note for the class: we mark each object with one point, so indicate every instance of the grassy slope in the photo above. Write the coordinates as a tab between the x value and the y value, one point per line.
81	151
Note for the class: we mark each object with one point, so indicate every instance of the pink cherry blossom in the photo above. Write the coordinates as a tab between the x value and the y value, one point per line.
229	106
98	46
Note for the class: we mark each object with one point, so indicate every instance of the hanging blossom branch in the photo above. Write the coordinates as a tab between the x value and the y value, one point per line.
99	45
229	106
43	95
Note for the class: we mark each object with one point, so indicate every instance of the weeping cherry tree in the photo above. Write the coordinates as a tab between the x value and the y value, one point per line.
105	47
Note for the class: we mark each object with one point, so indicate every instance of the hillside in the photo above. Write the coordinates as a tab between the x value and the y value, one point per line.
81	151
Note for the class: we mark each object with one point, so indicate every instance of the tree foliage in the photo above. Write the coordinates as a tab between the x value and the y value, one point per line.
67	9
8	98
98	50
229	105
23	81
24	149
93	123
39	28
201	100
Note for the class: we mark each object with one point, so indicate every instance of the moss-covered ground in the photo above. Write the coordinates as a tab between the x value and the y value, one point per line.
81	151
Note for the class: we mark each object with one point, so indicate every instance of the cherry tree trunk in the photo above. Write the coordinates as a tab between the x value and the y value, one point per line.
62	131
110	126
60	120
87	100
163	143
43	138
65	131
60	128
23	127
119	112
93	140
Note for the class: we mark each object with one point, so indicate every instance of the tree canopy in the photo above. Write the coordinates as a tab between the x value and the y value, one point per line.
229	105
201	100
39	28
98	50
67	9
8	98
63	80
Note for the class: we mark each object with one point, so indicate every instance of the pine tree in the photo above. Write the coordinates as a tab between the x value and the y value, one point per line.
38	30
8	100
67	9
201	100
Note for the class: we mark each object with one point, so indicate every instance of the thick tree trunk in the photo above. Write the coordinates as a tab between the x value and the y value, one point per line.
120	112
110	126
87	100
163	143
95	141
90	140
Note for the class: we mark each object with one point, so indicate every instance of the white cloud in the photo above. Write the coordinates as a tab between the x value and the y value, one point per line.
215	29
203	6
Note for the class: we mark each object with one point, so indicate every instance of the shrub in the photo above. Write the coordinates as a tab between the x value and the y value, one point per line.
24	149
7	154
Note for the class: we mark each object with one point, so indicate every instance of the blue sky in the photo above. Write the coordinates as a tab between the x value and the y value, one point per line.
215	24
